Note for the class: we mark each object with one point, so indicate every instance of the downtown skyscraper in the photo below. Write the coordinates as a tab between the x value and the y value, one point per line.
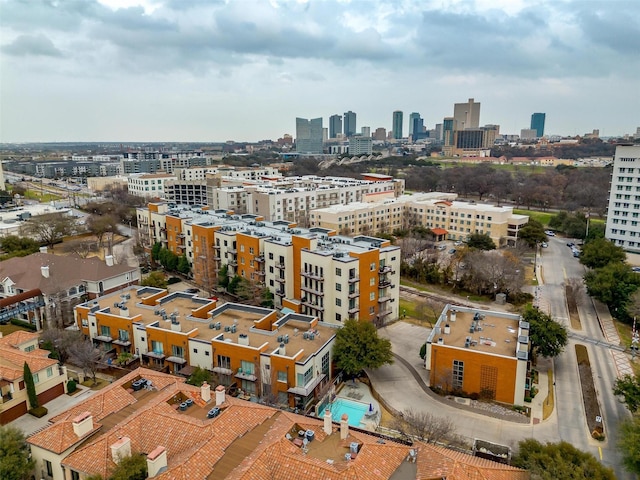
537	123
349	124
309	135
397	124
335	125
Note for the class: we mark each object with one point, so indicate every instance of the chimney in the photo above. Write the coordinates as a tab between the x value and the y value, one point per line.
121	449
45	271
344	426
328	426
124	311
109	260
205	392
220	395
43	249
452	316
447	329
175	326
82	424
157	461
243	339
282	350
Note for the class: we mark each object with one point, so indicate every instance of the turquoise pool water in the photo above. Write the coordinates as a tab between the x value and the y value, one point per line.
355	410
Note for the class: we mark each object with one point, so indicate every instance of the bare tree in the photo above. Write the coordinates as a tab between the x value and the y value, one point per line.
86	356
60	342
425	426
101	225
49	228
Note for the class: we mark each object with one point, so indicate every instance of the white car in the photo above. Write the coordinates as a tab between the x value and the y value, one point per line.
544	244
549	233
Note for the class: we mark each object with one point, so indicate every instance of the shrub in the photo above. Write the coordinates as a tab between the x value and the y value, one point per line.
474	396
38	412
71	386
527	399
20	323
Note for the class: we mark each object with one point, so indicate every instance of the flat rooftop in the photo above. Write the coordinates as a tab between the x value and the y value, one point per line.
490	332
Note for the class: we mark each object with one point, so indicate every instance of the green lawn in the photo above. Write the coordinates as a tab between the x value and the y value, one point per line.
542	217
44	197
7	329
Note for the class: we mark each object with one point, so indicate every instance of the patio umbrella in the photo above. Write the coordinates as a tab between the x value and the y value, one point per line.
371	407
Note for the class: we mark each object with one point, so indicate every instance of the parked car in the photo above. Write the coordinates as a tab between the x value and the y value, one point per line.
570	244
544	244
458	243
452	251
442	247
192	290
550	233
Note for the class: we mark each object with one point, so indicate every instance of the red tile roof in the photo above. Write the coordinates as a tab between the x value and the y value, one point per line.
12	359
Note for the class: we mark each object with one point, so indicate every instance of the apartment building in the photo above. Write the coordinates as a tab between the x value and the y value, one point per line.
185	431
152	185
186	192
446	217
50	380
479	351
287	359
623	211
43	285
310	271
219	171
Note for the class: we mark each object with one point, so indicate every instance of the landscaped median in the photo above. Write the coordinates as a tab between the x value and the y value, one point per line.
589	395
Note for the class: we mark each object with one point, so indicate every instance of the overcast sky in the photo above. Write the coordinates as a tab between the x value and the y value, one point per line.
216	70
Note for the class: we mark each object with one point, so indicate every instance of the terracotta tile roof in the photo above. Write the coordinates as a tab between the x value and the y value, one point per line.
12	358
247	441
59	437
64	271
18	338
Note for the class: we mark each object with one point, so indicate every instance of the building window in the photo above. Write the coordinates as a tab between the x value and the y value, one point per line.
458	374
372	267
247	367
206	353
372	295
304	378
177	351
157	347
105	331
123	335
49	467
338	302
338	317
325	364
50	372
224	362
195	350
338	287
282	376
338	272
75	475
36	378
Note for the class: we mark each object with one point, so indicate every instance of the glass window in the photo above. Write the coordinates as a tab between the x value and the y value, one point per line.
177	351
306	377
157	347
50	372
338	287
325	364
247	367
458	374
338	272
224	362
282	376
36	378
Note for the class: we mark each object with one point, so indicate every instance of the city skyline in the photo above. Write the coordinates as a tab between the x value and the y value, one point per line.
193	71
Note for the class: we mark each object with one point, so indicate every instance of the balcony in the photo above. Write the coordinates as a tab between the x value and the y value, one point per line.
233	262
217	247
353	310
312	306
280	266
384	283
383	313
259	258
311	275
354	294
354	279
280	293
385	269
260	273
384	299
319	293
280	280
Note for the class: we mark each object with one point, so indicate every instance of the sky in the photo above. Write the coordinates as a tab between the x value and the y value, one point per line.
243	70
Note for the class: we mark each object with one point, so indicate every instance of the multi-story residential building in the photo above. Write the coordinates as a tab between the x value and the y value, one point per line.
396	123
186	192
226	171
154	161
185	431
350	124
50	380
99	184
233	198
309	135
623	211
335	125
537	123
447	218
150	185
43	285
287	358
310	271
360	145
479	351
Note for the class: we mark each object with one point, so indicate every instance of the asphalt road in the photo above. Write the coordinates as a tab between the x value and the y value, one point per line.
558	267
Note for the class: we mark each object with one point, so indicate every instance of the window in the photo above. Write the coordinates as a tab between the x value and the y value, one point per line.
224	362
282	376
372	295
50	372
157	347
338	302
105	331
458	374
372	267
195	350
207	353
247	367
372	281
177	351
36	378
338	272
325	364
48	466
339	317
75	475
123	335
304	378
338	287
271	256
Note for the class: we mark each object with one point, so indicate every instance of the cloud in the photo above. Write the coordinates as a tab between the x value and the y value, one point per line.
32	45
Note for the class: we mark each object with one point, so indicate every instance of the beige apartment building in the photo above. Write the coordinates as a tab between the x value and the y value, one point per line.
150	185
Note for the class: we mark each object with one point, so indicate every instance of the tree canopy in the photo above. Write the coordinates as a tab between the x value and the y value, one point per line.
481	241
199	376
532	233
559	461
629	444
628	387
132	467
601	252
49	228
548	337
154	279
14	246
614	284
358	346
15	462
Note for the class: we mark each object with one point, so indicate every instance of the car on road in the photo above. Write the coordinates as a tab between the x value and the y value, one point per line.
452	251
458	243
635	269
192	290
550	233
544	244
442	247
570	244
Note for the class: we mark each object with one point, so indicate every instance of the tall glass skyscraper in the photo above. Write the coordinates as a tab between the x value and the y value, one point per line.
309	135
397	124
537	123
349	123
335	125
412	121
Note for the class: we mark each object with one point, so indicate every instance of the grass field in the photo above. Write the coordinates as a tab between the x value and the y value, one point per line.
542	217
44	197
7	329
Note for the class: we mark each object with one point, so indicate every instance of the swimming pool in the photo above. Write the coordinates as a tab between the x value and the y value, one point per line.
355	410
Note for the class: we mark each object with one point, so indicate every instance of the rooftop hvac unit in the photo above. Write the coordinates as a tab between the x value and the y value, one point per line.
286	339
280	339
211	326
227	328
217	325
233	329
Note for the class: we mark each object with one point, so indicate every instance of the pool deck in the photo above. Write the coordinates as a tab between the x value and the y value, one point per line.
360	392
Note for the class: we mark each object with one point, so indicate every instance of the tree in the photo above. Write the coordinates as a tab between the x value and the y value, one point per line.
628	387
223	277
183	265
481	241
629	444
357	346
101	225
600	252
155	251
49	228
59	341
132	467
30	385
559	461
425	426
532	233
199	376
14	246
15	461
548	337
87	357
154	279
614	284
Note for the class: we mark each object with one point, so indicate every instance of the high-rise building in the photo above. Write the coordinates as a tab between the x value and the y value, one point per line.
412	119
335	125
537	123
380	134
448	127
309	135
397	124
360	145
438	132
365	131
349	124
619	229
467	115
2	187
